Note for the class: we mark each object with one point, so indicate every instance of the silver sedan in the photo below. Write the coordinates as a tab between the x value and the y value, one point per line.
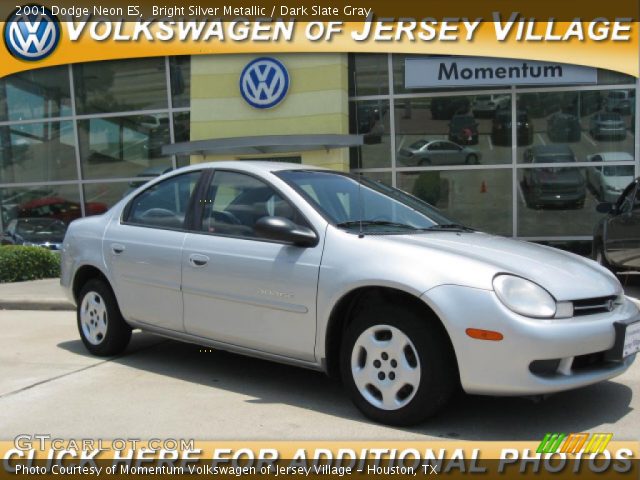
318	269
437	152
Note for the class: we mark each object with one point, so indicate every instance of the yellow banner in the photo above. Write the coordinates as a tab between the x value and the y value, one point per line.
96	457
605	43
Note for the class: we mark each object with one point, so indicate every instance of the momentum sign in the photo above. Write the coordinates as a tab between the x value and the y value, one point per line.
471	71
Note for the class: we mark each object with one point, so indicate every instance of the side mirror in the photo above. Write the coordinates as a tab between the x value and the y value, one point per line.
284	230
605	207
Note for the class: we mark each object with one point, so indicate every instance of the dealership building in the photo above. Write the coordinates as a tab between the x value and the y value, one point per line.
510	147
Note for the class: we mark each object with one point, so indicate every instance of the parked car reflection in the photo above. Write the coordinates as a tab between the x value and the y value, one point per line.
552	186
59	208
40	232
563	127
463	129
437	152
607	125
616	239
608	182
501	129
487	105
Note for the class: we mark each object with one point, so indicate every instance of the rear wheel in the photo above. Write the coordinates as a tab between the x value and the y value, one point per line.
102	328
398	366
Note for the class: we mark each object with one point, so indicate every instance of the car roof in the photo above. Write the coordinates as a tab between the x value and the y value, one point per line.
252	166
551	149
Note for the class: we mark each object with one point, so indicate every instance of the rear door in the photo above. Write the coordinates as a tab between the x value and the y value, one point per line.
144	251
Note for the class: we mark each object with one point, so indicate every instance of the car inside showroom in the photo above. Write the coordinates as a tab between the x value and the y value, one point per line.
528	154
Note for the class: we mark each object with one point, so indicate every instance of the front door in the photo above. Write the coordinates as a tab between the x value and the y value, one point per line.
244	290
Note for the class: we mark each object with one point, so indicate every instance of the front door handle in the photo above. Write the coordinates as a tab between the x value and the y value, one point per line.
117	248
197	260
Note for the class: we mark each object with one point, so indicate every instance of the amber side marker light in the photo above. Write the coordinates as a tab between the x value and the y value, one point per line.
479	334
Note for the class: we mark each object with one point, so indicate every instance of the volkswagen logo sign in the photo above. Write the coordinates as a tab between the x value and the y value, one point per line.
264	82
33	35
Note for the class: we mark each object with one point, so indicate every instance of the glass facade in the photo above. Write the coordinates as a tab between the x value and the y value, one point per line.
523	162
75	139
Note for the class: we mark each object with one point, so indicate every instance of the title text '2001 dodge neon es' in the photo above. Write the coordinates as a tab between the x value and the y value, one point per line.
314	268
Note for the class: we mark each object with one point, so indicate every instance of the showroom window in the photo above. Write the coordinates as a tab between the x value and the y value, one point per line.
75	139
526	161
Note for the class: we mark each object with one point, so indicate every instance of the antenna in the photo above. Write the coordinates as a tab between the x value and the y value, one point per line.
361	205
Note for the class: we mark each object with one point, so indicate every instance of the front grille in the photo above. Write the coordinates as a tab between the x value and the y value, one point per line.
591	306
560	190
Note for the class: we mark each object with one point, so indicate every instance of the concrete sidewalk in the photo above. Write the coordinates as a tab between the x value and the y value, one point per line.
34	295
48	295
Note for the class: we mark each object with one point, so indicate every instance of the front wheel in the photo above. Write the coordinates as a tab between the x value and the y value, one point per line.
102	329
399	367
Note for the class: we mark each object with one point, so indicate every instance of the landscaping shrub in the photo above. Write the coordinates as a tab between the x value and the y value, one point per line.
18	263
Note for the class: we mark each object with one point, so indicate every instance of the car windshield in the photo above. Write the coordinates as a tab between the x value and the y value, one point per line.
40	228
619	171
369	205
418	145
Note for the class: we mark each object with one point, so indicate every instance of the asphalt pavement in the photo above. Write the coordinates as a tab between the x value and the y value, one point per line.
163	388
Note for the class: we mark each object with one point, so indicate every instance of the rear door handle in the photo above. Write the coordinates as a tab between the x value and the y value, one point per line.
197	260
117	248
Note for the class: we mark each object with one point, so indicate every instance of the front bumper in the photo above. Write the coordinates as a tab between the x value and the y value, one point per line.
505	367
611	132
561	198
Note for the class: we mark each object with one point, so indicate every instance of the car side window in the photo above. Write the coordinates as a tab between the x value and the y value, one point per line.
236	201
165	204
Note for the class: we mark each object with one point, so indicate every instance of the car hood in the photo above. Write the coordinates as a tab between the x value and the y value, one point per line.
618	182
565	275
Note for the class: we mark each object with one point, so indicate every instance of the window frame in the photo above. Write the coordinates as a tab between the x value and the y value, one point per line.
198	216
189	212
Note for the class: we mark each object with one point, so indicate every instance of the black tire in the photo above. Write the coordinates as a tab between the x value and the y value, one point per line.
472	158
117	332
438	371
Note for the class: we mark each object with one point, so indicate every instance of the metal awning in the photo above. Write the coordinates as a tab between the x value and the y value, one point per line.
263	145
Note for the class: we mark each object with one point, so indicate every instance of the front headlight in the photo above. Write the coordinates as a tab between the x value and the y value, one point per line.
524	297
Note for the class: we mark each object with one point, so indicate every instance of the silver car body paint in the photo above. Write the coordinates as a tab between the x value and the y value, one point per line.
275	301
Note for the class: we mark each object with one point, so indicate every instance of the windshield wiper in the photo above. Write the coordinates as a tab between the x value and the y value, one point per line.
366	223
450	226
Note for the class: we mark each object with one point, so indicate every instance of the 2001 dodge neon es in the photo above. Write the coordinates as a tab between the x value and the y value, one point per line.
316	268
